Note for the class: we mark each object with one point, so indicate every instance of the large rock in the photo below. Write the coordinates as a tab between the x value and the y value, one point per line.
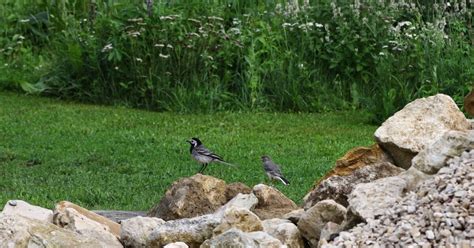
338	187
294	216
176	245
234	189
19	231
71	219
369	200
235	238
417	125
18	207
285	231
357	158
329	231
194	196
192	231
81	219
412	177
271	202
450	145
247	201
469	103
315	218
239	218
135	231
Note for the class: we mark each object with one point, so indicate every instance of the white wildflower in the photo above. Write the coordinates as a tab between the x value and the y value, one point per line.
381	53
235	22
404	23
169	46
194	20
135	20
139	60
318	25
235	31
116	68
107	48
24	20
134	33
215	18
164	56
170	17
210	57
159	45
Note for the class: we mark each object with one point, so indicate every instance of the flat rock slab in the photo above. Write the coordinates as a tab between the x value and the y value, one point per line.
118	216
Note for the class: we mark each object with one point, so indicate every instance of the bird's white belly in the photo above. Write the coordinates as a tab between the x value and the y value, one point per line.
203	159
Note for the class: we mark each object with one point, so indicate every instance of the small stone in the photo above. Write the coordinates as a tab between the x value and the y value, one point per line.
461	193
406	227
12	203
464	244
437	215
445	233
411	209
430	234
470	234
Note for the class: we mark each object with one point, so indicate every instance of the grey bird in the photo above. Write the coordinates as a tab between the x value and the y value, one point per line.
273	170
202	155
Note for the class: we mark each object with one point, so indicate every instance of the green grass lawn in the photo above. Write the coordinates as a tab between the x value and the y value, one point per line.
117	158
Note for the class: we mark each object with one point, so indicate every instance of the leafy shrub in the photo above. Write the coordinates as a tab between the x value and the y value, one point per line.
206	56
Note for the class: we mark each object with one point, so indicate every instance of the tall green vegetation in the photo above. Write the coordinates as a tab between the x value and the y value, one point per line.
206	56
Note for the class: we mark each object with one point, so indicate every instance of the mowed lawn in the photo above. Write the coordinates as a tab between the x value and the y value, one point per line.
119	158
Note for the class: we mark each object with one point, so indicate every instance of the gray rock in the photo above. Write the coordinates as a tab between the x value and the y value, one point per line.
413	178
191	197
285	231
329	231
315	218
419	123
450	144
135	231
239	218
19	231
176	245
18	207
246	201
368	200
192	231
294	216
237	239
338	187
271	202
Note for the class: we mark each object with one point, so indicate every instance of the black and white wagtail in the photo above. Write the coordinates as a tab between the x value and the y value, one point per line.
273	170
201	154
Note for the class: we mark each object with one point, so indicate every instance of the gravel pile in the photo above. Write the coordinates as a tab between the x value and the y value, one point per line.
439	214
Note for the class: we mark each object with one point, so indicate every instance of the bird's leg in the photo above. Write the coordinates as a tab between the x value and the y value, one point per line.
205	166
202	168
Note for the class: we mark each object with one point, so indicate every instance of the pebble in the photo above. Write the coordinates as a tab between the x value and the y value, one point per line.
461	193
12	203
430	234
445	233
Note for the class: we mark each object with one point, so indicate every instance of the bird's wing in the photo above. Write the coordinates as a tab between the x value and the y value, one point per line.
202	150
270	166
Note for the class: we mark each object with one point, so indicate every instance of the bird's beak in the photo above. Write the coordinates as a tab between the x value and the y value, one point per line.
188	141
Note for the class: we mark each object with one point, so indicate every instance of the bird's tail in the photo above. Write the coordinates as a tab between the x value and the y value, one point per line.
283	180
226	163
